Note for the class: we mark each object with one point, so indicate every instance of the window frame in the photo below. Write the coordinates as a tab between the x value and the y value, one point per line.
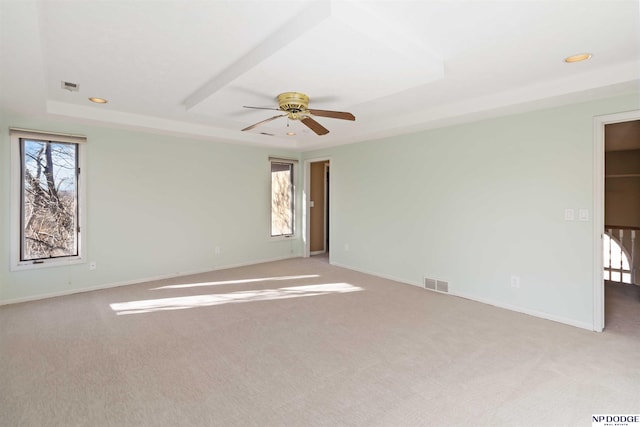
16	135
293	164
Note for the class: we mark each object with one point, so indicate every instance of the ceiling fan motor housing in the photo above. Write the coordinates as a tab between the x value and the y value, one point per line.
293	102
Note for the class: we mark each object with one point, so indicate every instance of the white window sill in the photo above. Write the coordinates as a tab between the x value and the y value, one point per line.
45	263
280	238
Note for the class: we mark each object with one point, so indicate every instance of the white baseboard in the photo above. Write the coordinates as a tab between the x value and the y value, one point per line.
527	311
517	309
136	281
373	273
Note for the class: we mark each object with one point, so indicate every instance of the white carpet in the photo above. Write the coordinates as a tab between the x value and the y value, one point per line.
313	345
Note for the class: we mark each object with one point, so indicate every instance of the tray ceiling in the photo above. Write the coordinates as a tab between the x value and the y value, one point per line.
188	67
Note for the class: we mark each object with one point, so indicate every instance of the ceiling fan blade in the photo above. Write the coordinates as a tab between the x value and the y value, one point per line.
314	126
264	121
333	114
262	108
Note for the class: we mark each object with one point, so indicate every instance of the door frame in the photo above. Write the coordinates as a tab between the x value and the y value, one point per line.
326	177
306	208
599	123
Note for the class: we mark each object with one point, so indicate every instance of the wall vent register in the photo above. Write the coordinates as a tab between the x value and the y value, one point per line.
436	285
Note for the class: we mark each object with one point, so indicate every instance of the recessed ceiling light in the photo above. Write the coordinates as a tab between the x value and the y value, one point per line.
98	100
577	58
291	133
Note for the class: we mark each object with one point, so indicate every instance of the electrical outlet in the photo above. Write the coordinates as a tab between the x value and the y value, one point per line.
515	281
217	250
93	265
346	247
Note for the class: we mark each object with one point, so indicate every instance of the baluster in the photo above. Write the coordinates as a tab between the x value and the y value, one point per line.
632	262
621	240
610	232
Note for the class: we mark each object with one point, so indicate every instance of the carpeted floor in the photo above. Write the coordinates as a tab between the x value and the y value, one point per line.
303	343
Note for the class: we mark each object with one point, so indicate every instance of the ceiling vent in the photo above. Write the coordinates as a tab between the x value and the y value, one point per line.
71	87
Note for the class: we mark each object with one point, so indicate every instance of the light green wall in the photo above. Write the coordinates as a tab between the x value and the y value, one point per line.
156	206
475	204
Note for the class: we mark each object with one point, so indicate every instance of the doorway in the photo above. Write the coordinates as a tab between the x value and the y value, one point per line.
617	140
317	189
622	202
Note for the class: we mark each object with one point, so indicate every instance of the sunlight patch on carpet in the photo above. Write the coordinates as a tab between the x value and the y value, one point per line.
193	301
234	282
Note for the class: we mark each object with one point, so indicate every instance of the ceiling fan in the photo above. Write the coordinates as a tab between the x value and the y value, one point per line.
295	106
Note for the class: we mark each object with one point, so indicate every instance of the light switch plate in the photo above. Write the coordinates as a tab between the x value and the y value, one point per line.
583	214
569	215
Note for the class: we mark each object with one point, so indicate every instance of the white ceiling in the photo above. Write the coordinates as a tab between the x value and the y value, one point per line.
188	67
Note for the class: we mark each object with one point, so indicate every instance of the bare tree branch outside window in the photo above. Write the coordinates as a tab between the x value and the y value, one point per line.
281	199
49	200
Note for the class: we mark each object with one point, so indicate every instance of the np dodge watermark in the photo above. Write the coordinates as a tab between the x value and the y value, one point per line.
604	420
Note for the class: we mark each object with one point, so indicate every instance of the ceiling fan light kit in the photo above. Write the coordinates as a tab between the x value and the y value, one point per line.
295	105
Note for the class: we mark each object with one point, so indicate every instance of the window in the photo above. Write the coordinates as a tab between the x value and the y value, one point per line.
46	214
282	196
616	260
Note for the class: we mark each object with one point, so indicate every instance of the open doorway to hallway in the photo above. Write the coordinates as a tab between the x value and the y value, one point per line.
319	207
621	234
